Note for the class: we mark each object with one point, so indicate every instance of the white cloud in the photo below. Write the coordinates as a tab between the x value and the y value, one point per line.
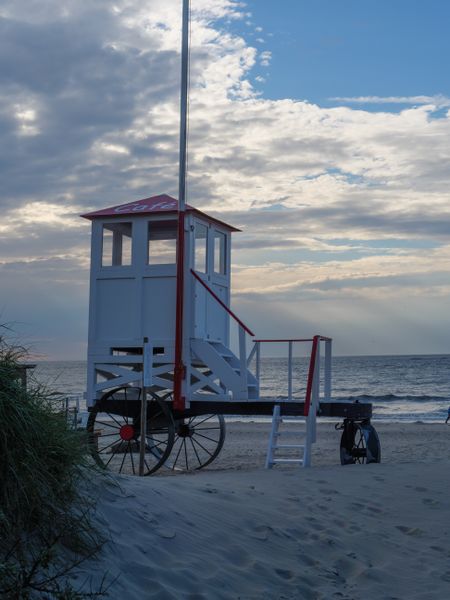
439	100
265	58
89	118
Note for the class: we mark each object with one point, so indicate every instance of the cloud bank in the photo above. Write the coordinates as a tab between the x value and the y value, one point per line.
345	211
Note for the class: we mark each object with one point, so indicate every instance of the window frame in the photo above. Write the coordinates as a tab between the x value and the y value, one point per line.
161	224
218	234
113	263
206	270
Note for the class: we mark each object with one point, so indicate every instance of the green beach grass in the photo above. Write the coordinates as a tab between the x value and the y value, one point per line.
46	497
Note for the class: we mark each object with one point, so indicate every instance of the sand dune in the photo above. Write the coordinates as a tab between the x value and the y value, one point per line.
329	532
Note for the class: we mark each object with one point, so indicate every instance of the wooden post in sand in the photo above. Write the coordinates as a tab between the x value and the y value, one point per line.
147	355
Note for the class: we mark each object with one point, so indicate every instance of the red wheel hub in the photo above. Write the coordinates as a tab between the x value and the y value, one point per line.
127	432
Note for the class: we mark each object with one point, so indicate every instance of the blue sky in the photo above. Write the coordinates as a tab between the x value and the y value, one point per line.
320	128
326	49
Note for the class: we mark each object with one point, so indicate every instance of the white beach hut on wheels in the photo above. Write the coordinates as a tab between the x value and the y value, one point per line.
134	347
133	296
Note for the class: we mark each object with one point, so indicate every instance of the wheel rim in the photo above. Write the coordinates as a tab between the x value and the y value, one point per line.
198	441
114	439
359	444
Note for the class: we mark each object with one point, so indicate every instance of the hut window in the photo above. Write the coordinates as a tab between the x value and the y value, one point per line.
116	244
201	237
162	242
219	253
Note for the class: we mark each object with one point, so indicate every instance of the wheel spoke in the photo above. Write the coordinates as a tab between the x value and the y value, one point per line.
108	446
123	459
196	453
178	454
185	454
132	459
206	437
114	419
159	442
202	447
205	419
110	458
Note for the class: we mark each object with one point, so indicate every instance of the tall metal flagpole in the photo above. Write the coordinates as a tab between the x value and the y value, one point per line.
179	370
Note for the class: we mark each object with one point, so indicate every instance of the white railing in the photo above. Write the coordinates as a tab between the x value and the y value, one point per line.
314	372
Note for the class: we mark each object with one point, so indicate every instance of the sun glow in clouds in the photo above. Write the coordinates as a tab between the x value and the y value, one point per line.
26	118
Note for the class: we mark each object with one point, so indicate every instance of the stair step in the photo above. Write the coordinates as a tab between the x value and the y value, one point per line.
221	349
301	444
289	446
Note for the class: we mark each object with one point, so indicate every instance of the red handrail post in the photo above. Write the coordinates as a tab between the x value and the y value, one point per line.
312	368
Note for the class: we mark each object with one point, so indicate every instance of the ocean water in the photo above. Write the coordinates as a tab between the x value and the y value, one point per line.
401	388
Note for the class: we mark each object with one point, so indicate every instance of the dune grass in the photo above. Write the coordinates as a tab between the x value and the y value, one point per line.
45	502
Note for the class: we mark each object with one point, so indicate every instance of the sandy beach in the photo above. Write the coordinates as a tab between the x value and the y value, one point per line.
238	531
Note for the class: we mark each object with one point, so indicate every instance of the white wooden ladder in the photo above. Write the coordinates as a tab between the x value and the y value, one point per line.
296	452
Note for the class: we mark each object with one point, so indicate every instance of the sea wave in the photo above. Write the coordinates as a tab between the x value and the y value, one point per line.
365	398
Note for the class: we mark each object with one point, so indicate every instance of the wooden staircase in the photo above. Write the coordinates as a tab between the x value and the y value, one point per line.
225	377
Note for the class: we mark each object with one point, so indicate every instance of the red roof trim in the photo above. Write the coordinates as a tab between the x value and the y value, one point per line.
153	205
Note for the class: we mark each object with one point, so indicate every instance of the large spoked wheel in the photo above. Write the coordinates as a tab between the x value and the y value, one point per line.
198	441
359	443
114	432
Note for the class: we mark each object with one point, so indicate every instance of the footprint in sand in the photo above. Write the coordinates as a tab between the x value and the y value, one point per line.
165	533
260	532
308	561
284	574
431	502
348	567
374	509
209	490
